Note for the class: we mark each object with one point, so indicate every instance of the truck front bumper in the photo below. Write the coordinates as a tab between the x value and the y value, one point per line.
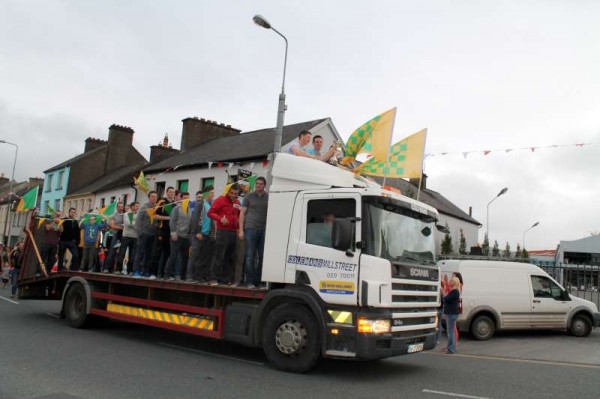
596	319
352	345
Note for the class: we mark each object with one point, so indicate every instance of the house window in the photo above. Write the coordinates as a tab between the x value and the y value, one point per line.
57	205
49	183
59	184
112	199
160	189
182	186
102	202
46	205
207	181
89	204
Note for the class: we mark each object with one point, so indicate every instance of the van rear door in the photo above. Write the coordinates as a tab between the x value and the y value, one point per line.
548	309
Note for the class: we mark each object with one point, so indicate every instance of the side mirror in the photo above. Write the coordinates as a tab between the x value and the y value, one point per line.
341	235
565	296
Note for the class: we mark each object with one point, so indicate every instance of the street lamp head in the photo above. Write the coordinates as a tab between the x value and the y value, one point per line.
503	191
261	21
535	224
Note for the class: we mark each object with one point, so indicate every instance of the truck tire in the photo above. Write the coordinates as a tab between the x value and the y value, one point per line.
580	326
291	339
75	308
482	328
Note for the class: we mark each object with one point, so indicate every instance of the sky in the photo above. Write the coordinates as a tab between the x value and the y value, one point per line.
503	77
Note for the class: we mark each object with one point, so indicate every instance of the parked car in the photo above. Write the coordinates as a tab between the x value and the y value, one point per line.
512	296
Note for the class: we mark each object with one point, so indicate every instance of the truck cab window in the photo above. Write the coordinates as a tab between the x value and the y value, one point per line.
543	287
320	217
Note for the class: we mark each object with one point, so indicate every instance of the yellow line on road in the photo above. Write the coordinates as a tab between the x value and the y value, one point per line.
517	360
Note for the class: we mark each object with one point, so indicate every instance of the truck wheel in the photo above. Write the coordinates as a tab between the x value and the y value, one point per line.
581	326
75	306
482	328
290	339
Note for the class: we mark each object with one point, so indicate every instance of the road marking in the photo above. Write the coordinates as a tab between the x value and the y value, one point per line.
56	316
526	361
211	354
9	300
457	395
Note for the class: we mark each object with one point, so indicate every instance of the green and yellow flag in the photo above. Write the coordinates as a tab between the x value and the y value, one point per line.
108	210
29	200
405	160
373	137
142	183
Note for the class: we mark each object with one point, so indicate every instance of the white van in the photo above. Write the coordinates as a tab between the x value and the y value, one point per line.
513	296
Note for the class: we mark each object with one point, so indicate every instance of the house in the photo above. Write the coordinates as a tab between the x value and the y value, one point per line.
99	158
12	223
450	214
210	152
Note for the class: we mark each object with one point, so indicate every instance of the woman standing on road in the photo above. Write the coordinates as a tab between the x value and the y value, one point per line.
451	311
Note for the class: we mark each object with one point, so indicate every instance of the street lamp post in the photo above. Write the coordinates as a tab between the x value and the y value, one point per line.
261	21
10	194
487	220
535	224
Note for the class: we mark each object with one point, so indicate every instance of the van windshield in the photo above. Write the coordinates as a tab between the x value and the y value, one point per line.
396	233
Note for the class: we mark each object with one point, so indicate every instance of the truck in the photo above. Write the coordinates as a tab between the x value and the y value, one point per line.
363	286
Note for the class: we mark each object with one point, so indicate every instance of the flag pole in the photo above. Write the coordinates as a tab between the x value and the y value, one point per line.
422	162
387	158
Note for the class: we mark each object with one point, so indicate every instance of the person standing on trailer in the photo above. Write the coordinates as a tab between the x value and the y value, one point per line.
225	211
162	246
146	232
129	244
68	240
180	241
116	225
253	221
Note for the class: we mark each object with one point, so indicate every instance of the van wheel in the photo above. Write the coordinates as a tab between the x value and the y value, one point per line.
482	328
75	308
290	339
581	326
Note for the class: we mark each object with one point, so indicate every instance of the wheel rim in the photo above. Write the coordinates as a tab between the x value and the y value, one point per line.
77	305
483	329
290	337
579	326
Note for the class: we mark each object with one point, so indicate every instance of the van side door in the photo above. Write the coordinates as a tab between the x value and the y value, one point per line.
548	308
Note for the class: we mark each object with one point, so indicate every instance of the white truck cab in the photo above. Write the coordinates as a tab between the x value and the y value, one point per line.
500	295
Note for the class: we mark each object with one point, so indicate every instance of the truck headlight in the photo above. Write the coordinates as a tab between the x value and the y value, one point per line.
379	326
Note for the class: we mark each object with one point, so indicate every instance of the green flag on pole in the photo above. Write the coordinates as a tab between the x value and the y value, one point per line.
29	200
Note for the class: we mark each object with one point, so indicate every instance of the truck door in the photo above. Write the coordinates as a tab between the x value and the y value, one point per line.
548	309
332	273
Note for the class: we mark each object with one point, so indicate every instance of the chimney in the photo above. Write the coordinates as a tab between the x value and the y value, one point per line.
415	181
92	143
120	141
198	131
470	211
159	152
3	180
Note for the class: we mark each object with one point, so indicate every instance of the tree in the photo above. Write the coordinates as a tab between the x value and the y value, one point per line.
496	249
485	247
518	252
506	252
525	254
462	248
447	244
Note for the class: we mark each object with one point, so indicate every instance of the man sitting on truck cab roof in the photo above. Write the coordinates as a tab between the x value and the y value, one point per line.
303	139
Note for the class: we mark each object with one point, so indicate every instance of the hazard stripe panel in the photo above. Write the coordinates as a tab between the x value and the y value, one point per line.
198	322
341	316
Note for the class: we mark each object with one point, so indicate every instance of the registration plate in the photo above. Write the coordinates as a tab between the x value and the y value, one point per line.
414	348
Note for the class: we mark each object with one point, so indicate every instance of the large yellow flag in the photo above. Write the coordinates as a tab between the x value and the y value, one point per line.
373	137
405	160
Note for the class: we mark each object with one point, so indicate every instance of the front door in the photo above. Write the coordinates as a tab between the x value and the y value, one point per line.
332	273
548	309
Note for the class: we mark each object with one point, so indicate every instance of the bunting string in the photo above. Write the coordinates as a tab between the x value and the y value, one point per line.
465	154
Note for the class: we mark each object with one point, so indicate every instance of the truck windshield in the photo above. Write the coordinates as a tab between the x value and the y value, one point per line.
396	233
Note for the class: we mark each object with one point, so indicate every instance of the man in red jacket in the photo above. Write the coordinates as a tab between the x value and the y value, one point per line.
225	211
